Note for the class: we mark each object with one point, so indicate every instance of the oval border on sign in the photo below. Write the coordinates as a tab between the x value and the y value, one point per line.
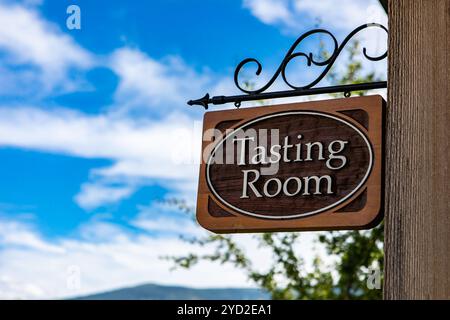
314	113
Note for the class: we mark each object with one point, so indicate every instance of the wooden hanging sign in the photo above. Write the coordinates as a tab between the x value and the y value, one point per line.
295	167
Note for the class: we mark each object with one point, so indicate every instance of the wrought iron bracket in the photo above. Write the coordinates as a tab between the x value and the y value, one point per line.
309	89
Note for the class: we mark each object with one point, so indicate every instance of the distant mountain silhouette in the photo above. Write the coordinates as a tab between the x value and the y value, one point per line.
159	292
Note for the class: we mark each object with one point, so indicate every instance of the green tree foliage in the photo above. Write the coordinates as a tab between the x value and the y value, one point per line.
287	277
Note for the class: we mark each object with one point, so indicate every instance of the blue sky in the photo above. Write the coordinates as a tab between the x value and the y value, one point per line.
95	131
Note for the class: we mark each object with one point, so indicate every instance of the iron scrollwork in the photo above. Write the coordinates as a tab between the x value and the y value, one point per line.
308	89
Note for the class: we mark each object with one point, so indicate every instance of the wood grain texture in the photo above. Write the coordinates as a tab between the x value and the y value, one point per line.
417	196
220	185
227	179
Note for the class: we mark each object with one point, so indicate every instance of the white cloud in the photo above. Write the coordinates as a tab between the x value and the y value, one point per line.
339	17
140	150
295	15
103	256
11	289
100	230
165	219
154	84
29	40
93	195
162	150
166	225
96	136
116	261
270	11
342	14
15	234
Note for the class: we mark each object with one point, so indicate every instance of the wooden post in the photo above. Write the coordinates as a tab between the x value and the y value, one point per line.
417	147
